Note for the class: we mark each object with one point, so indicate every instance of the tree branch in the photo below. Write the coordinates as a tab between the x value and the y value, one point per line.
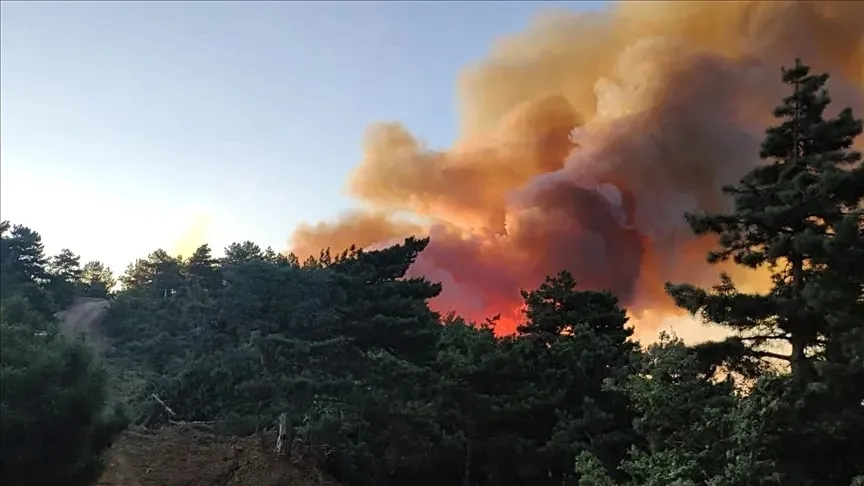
768	354
164	405
764	338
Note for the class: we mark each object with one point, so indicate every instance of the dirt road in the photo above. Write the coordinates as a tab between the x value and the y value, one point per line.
84	317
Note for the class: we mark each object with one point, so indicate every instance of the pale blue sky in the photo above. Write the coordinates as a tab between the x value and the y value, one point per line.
140	116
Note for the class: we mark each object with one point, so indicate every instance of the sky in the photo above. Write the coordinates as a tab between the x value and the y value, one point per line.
131	126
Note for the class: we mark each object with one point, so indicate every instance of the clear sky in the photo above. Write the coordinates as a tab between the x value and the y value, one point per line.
125	123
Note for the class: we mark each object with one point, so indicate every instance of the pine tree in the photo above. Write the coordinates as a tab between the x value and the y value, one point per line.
800	214
97	279
23	254
65	277
557	309
160	274
580	339
383	310
242	252
23	266
202	269
66	264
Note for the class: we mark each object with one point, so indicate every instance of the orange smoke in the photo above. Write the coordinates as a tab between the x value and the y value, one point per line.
361	229
585	139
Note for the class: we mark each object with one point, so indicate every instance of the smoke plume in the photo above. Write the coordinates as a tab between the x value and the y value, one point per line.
585	139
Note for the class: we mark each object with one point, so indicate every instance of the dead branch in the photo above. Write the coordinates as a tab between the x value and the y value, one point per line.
164	405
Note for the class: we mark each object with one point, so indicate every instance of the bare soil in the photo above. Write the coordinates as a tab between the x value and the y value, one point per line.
188	455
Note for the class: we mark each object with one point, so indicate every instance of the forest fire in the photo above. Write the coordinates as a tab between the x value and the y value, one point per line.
583	142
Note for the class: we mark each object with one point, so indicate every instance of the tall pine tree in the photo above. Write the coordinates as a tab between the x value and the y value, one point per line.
800	214
64	277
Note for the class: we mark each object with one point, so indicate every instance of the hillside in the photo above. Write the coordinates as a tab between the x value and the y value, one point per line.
186	455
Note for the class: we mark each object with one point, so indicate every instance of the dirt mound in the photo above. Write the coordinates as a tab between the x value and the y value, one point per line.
191	456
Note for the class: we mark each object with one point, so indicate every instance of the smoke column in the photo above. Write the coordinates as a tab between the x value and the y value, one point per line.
584	140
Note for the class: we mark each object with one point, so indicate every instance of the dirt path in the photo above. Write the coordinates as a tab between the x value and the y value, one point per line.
84	317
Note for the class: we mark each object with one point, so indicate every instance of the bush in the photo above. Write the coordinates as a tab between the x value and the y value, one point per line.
54	426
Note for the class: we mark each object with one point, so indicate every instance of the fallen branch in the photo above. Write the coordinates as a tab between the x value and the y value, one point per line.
164	405
197	425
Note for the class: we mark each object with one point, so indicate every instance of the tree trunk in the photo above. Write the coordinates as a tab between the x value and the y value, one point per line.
469	453
797	337
797	358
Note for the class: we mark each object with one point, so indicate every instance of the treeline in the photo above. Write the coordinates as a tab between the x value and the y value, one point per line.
48	284
385	391
349	349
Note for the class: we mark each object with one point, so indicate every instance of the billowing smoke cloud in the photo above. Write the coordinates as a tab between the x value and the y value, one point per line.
357	228
584	140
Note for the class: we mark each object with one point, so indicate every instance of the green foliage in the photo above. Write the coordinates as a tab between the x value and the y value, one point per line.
243	252
591	471
49	284
525	406
54	420
97	280
350	350
64	277
23	267
698	430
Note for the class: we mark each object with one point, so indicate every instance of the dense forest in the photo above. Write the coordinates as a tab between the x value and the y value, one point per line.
384	391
